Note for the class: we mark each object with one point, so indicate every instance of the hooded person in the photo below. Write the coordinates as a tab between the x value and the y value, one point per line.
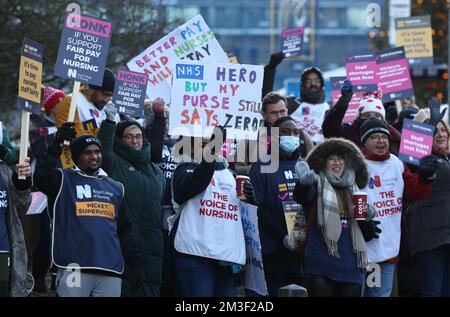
126	158
389	183
275	203
335	252
370	105
309	110
84	204
312	105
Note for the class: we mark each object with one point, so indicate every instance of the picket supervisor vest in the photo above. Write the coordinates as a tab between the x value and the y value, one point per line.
210	224
85	223
384	192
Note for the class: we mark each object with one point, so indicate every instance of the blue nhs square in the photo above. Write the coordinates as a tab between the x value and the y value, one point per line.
189	71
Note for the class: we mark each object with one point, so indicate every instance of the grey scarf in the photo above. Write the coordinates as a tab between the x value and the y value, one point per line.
328	215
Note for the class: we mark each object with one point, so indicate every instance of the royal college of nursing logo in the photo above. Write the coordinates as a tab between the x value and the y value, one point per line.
374	182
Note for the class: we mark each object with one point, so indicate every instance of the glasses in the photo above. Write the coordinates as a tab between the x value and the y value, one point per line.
310	81
130	137
336	159
377	138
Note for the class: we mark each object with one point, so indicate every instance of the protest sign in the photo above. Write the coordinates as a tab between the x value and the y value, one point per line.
358	90
414	33
38	203
30	80
205	95
254	271
394	79
30	76
416	142
362	69
292	41
83	49
397	9
129	93
190	41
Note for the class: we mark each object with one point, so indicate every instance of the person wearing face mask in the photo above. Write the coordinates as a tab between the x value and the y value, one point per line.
89	113
429	219
335	252
369	106
274	196
127	159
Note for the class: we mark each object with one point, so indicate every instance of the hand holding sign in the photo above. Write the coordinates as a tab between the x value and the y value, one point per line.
158	108
24	169
427	169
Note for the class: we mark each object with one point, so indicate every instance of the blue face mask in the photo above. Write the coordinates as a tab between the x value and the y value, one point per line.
289	143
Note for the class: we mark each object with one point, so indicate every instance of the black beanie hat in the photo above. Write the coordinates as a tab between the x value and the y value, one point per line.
371	126
78	145
122	125
109	79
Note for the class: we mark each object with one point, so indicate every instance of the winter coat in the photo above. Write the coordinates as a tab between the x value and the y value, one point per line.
19	199
332	127
429	219
142	241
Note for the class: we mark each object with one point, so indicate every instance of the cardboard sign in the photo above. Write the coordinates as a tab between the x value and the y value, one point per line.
393	74
353	105
206	95
292	41
416	142
30	76
362	69
414	34
191	41
397	9
129	93
254	270
83	49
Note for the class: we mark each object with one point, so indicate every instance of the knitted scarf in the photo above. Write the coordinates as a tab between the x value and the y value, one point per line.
328	214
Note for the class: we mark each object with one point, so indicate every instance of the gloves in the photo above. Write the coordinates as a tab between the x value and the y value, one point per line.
3	152
347	89
110	111
249	192
305	175
65	132
369	229
158	108
287	244
276	59
435	111
427	169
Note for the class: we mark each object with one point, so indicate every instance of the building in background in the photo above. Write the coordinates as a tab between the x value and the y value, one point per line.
251	30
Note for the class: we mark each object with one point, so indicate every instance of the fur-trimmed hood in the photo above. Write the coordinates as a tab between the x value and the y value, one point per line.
352	155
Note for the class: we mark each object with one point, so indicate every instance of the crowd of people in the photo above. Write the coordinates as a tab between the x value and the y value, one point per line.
125	200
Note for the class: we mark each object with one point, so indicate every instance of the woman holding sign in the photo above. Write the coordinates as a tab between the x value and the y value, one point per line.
429	223
335	252
276	206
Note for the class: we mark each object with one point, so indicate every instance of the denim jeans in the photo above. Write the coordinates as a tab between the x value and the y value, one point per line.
202	277
387	271
434	267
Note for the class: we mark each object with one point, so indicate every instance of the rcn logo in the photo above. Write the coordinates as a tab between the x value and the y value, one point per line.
84	191
374	182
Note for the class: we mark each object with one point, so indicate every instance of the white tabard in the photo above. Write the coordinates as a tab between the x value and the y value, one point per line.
211	225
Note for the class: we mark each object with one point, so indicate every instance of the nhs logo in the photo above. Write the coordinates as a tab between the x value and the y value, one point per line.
84	191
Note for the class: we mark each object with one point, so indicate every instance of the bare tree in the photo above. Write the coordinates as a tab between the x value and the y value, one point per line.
136	24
